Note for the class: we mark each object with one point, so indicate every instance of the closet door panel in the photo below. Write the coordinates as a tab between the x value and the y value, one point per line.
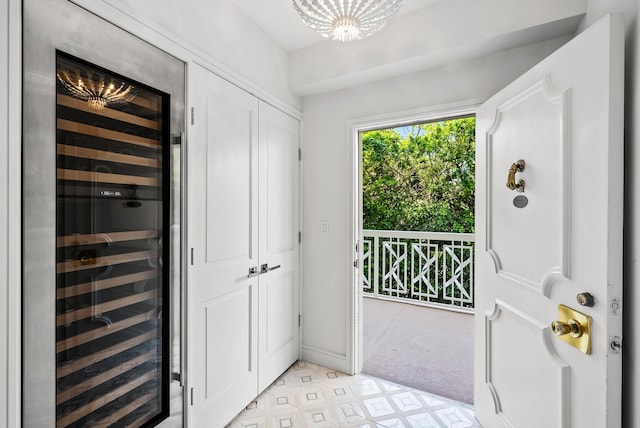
279	226
228	180
223	240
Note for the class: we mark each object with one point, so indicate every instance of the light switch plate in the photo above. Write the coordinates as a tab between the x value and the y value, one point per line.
324	228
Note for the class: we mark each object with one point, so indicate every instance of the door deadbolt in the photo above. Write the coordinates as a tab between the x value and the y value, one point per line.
585	299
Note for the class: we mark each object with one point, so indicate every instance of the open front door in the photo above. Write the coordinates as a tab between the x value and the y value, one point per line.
560	237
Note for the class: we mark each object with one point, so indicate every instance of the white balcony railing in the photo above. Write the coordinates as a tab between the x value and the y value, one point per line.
423	268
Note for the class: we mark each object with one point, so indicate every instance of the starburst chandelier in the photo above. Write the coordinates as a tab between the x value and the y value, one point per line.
96	90
346	20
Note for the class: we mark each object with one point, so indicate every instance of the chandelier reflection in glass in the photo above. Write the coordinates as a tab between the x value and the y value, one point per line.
96	90
346	20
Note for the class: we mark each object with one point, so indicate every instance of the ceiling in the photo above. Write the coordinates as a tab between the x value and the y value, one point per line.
424	34
279	19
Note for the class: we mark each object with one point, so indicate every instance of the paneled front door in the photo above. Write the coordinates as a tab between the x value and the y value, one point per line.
554	235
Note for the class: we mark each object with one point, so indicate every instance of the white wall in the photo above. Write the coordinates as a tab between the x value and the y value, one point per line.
631	339
326	185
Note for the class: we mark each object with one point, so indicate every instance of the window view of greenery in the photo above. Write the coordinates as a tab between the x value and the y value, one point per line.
420	177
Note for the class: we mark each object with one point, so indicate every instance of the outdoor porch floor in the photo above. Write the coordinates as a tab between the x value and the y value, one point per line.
424	348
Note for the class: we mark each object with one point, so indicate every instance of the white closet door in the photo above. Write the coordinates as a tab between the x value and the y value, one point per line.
278	205
222	231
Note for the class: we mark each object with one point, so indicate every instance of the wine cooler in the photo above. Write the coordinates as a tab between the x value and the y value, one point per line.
103	112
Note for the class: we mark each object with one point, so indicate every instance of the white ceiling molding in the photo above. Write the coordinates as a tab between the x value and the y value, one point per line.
433	36
308	78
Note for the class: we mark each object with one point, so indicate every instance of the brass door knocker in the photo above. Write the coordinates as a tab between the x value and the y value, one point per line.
511	179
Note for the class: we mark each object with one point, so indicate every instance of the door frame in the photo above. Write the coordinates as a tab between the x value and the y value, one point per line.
355	127
11	217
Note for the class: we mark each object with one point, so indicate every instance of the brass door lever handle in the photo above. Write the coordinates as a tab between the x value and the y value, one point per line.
571	327
511	178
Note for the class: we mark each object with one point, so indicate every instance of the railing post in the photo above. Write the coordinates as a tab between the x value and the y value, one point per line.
375	255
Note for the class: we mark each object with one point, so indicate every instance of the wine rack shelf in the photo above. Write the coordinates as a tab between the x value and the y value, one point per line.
95	131
81	152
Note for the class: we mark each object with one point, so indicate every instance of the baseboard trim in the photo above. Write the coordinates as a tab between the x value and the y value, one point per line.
326	359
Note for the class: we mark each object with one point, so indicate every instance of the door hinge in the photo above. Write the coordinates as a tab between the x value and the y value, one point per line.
193	115
191	399
191	256
299	237
299	320
299	153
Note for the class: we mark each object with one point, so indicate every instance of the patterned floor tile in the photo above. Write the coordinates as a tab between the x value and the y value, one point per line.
378	406
391	423
338	392
422	420
365	386
320	417
311	396
349	412
454	418
406	401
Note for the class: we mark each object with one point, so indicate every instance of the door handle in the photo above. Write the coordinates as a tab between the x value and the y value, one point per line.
574	328
253	271
265	268
571	327
511	177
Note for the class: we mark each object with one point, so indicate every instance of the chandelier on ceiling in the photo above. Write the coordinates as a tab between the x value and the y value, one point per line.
96	90
346	20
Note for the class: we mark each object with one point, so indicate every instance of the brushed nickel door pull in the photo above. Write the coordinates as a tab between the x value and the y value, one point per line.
511	178
265	268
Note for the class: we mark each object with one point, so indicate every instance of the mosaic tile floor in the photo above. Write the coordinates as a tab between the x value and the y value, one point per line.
308	396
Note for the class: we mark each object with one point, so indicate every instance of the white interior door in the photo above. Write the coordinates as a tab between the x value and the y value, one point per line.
564	119
278	285
222	232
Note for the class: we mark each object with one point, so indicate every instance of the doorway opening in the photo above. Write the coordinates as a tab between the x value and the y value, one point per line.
416	186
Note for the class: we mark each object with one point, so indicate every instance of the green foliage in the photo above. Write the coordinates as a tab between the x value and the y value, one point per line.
424	181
